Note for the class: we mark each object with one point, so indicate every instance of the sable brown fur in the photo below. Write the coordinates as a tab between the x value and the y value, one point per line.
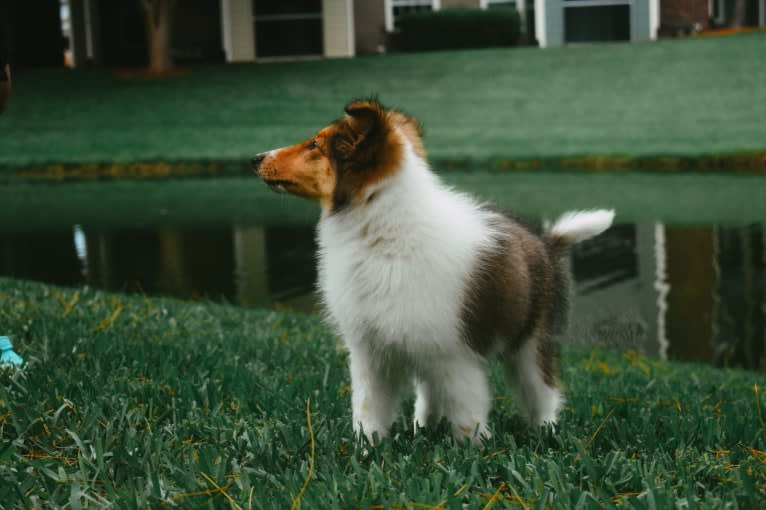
343	161
365	148
518	293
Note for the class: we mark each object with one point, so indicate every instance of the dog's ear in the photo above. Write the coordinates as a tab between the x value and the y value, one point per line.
364	113
366	132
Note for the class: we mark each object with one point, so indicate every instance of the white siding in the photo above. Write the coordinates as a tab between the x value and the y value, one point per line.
338	28
237	30
549	22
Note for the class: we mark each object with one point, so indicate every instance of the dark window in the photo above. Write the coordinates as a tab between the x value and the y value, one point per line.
277	7
598	23
288	27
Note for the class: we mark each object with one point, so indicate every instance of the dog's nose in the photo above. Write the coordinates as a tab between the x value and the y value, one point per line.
257	160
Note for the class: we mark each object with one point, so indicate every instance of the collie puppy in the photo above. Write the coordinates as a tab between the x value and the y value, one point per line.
423	283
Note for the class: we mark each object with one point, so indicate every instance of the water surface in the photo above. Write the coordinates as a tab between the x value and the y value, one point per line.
692	292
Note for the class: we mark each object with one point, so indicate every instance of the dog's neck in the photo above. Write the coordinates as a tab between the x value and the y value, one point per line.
408	195
412	209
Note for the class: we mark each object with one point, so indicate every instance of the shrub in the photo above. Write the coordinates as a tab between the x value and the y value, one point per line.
456	28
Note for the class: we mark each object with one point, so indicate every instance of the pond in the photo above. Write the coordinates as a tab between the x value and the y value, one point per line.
680	276
691	292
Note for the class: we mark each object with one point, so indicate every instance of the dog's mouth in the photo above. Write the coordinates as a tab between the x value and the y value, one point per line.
278	185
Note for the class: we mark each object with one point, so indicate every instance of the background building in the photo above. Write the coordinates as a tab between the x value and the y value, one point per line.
111	32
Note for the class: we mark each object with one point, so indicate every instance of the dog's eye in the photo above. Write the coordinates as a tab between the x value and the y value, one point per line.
312	145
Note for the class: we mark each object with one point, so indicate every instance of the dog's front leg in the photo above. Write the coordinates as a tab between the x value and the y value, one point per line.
376	384
458	389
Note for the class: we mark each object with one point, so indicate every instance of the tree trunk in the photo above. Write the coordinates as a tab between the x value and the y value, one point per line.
158	15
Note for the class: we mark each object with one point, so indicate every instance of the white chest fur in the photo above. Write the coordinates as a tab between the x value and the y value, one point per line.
393	273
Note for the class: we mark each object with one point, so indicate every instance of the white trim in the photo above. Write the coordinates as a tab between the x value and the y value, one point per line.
662	287
226	28
350	29
388	6
238	30
338	28
541	31
521	8
654	19
594	3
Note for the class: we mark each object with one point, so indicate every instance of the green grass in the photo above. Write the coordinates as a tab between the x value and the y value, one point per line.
144	402
638	198
693	97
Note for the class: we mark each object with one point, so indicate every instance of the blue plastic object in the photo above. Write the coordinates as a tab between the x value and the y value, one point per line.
7	356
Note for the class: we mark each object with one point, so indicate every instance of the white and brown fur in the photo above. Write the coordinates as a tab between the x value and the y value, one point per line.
425	284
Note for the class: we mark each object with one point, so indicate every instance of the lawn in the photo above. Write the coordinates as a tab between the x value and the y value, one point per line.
144	402
696	97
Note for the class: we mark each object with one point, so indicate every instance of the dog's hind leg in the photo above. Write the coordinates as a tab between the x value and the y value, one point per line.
530	372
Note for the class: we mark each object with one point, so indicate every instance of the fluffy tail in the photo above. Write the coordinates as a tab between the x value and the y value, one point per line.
575	226
571	227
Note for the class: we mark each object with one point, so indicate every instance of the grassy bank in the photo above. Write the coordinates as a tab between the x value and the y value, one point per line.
147	402
690	98
639	198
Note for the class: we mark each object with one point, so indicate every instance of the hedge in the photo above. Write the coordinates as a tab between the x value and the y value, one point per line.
456	28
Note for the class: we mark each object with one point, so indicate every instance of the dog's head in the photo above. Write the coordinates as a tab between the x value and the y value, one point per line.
343	162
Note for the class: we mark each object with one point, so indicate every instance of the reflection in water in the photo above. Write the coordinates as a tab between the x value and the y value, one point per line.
679	292
48	257
740	329
165	261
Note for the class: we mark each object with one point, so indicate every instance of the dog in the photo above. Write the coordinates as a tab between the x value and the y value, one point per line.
426	284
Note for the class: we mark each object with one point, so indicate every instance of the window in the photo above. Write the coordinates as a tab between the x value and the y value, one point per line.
596	20
288	27
396	8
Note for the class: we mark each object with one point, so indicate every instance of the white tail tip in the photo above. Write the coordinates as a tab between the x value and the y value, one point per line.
576	226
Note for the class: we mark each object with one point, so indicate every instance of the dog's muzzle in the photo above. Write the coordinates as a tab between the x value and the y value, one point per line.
274	184
257	160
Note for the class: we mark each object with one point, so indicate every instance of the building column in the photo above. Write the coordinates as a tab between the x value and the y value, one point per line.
640	20
338	28
654	19
549	22
369	26
251	266
521	8
238	30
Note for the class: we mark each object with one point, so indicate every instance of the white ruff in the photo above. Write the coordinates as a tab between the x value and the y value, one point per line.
393	274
